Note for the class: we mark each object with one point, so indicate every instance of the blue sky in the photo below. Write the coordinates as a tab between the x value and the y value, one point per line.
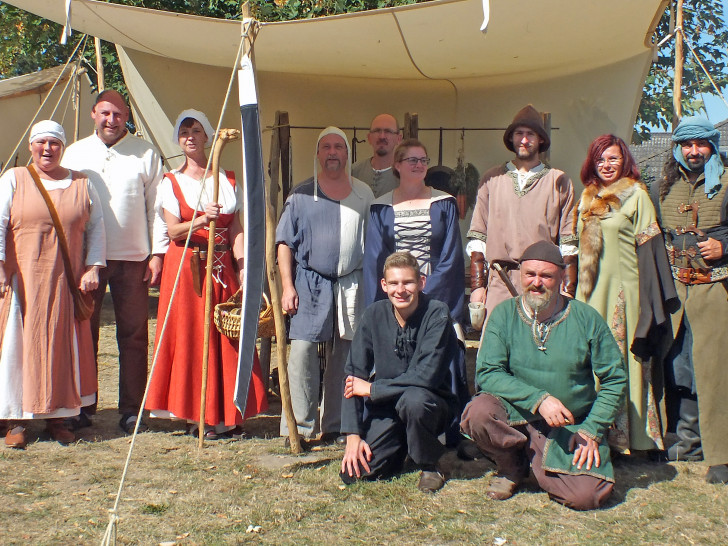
716	109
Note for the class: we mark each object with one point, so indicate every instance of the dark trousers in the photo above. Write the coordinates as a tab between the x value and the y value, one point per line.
513	447
409	426
129	293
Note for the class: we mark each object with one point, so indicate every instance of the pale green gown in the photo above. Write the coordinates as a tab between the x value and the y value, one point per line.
616	298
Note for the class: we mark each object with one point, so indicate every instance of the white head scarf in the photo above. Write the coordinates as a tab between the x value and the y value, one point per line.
47	128
331	131
196	115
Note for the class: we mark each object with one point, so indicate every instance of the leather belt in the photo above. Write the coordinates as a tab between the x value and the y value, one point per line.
688	275
203	246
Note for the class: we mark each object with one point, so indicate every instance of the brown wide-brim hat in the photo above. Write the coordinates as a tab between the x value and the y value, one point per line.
529	117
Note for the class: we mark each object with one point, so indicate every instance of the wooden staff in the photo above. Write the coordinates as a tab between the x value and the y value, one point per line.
223	137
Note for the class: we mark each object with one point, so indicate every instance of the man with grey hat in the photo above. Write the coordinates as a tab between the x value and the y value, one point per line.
320	246
538	405
693	208
519	203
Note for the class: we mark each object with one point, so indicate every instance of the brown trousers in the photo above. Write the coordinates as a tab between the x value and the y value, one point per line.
513	448
129	293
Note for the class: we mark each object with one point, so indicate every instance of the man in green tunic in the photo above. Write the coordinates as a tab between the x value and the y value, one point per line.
538	402
693	208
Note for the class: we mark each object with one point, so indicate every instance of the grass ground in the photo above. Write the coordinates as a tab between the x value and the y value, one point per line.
176	494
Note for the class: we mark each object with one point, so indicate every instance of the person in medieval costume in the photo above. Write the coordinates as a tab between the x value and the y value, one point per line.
692	201
383	136
624	274
320	247
423	221
519	203
551	380
175	388
47	368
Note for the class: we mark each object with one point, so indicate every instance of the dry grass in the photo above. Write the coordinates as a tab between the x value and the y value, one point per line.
61	495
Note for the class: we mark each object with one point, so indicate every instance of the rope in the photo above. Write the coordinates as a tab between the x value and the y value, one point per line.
82	40
695	55
110	534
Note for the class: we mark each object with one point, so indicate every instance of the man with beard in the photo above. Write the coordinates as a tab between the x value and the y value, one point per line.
376	171
693	208
519	203
320	240
537	371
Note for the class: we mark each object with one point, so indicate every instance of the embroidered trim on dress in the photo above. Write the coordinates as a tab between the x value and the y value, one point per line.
569	239
476	235
648	233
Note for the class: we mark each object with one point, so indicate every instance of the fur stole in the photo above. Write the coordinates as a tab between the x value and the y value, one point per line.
597	203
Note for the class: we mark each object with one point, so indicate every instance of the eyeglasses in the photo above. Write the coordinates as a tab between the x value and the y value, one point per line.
613	161
387	132
415	160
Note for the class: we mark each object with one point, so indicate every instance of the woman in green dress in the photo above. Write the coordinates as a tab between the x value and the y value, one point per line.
624	275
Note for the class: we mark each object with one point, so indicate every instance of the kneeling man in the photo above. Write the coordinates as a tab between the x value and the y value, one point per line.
538	405
397	396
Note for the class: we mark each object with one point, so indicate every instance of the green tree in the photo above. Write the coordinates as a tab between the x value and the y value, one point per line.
705	27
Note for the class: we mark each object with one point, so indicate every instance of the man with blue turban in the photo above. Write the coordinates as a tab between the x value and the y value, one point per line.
693	207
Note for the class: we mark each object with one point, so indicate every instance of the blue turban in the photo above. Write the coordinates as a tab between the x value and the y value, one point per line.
697	127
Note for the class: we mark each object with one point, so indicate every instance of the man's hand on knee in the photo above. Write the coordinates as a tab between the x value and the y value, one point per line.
585	450
356	456
555	413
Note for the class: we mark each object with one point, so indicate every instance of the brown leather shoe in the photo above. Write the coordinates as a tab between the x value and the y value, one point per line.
15	437
430	481
58	431
501	488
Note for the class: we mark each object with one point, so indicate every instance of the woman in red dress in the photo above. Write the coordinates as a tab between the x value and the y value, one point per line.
175	388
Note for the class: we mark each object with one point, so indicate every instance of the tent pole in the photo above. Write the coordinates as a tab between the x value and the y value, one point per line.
284	132
411	126
99	65
546	156
275	287
679	62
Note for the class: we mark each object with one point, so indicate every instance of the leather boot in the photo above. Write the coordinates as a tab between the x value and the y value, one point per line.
478	278
512	469
571	274
688	446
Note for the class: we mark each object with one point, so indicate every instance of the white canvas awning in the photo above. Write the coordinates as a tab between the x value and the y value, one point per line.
583	62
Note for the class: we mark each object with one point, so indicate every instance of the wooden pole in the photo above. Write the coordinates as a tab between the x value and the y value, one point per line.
679	62
411	126
275	286
546	156
225	136
285	144
99	66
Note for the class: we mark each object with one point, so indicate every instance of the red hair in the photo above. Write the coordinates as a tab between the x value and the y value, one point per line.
589	174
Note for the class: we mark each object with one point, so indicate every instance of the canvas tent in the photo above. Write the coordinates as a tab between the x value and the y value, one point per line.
583	63
20	98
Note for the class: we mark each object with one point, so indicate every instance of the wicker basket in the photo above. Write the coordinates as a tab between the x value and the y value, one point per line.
227	317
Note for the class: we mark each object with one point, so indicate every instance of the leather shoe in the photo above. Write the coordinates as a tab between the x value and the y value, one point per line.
305	444
501	488
128	422
333	438
717	474
58	431
430	481
15	437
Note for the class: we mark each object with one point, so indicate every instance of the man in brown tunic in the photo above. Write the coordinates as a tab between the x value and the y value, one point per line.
519	203
693	207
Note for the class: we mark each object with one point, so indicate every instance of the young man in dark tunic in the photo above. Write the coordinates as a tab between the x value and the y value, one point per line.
397	396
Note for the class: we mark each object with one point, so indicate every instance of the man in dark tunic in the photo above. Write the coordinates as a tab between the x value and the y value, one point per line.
397	396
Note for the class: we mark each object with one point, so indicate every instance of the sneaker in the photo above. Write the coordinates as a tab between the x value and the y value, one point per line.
128	422
431	481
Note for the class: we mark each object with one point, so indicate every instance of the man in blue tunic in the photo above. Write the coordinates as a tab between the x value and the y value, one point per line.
320	243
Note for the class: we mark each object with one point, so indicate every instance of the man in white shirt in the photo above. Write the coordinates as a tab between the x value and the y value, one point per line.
125	170
376	171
